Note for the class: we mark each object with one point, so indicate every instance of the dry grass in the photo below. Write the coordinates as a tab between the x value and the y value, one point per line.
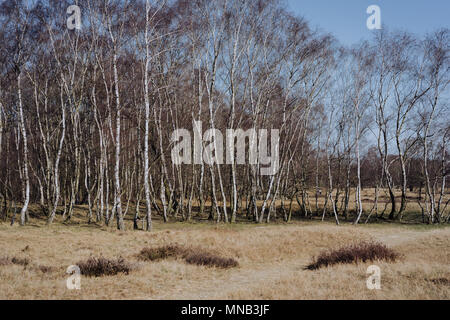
4	261
271	262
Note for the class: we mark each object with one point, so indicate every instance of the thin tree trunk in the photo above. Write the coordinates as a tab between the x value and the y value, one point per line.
26	196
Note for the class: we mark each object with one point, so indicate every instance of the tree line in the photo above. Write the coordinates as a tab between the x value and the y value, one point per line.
86	116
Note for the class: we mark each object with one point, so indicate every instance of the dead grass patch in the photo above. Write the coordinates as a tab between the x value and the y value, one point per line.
160	253
20	261
25	262
195	256
98	267
361	252
208	259
4	261
46	269
441	281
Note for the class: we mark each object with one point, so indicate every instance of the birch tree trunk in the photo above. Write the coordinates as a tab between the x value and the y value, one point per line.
358	164
26	195
118	189
58	157
147	122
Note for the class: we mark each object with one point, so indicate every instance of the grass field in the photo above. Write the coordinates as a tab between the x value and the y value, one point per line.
272	260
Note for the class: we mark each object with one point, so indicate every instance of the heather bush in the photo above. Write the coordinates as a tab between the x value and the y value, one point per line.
97	267
210	260
160	253
189	255
354	253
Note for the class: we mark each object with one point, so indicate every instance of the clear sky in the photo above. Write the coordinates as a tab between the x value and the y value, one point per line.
346	19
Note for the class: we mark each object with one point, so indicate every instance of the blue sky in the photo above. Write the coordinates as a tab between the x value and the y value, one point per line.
346	19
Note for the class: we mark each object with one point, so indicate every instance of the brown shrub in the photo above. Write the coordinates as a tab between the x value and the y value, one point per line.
355	253
97	267
160	253
441	281
190	255
203	258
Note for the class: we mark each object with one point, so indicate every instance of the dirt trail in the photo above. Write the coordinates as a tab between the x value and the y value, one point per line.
226	284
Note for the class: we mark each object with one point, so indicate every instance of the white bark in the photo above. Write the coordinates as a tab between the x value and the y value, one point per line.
58	157
147	121
26	196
